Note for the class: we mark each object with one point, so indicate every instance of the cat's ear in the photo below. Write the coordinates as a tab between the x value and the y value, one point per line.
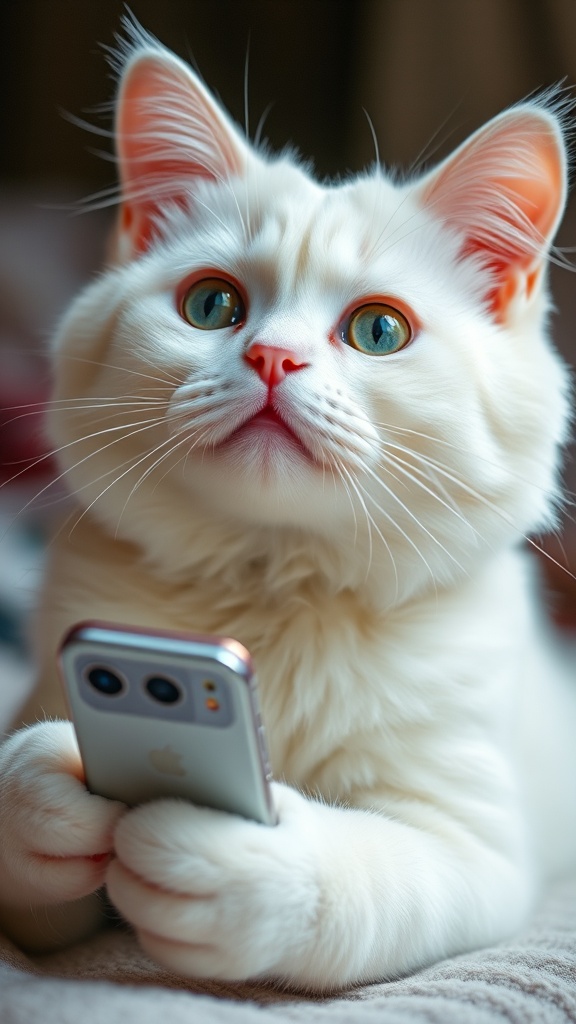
504	191
169	132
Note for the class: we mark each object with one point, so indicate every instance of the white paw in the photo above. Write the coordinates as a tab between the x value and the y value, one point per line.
56	836
213	895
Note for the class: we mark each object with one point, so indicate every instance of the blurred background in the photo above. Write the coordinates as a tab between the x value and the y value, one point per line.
427	72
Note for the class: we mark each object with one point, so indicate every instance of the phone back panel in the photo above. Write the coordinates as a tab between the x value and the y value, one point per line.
205	745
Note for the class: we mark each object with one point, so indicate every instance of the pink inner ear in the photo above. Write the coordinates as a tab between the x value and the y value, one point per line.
504	191
169	131
538	196
136	222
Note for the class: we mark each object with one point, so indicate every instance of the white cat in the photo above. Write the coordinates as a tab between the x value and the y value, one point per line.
320	419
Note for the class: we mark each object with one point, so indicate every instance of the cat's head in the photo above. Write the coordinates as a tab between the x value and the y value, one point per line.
362	364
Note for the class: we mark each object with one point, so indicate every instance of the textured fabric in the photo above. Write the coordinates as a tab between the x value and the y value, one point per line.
109	981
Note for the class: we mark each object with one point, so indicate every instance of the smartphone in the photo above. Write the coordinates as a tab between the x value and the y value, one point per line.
161	714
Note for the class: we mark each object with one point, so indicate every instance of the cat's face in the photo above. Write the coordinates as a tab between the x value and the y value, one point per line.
280	353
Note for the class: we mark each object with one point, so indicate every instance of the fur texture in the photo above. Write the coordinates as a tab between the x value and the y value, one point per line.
363	538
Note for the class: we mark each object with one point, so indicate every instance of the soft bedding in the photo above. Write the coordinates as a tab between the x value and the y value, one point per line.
107	980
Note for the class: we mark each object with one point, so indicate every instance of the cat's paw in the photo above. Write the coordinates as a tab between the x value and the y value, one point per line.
213	895
56	836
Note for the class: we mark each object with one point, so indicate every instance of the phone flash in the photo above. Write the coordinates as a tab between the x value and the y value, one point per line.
212	704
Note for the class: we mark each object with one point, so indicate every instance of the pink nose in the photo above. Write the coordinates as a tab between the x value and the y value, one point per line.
272	364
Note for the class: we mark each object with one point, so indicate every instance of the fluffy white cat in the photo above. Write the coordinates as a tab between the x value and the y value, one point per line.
320	419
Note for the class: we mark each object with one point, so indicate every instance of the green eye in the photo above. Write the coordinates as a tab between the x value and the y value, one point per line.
377	330
213	304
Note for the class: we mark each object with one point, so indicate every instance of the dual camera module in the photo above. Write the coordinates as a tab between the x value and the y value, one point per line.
109	684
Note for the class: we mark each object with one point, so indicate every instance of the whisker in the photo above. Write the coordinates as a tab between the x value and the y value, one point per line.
449	475
148	424
39	408
183	460
260	125
201	438
459	449
412	516
372	523
395	524
374	136
334	465
126	369
79	440
141	478
546	554
434	142
403	468
184	433
95	480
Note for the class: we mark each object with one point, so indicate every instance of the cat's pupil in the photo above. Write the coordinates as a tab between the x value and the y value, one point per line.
385	332
209	304
214	299
220	307
377	329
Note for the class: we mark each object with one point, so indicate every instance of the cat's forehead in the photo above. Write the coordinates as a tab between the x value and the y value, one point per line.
290	209
295	233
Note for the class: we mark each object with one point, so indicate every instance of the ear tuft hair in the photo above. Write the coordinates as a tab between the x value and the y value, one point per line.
504	191
169	133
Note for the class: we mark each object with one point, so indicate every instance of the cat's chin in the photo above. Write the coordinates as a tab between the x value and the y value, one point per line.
267	441
263	473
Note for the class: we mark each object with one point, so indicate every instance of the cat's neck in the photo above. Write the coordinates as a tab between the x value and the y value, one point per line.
260	565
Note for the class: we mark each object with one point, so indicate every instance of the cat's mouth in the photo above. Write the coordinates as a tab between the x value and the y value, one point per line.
270	429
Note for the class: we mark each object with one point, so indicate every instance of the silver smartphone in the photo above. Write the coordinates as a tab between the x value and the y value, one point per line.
161	714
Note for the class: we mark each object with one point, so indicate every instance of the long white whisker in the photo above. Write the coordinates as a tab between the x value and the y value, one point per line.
164	455
148	424
459	449
467	489
83	402
126	369
117	479
334	464
372	523
184	433
183	459
39	409
86	437
201	438
412	516
394	523
411	474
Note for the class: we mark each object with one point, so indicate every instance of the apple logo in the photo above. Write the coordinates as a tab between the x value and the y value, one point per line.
166	761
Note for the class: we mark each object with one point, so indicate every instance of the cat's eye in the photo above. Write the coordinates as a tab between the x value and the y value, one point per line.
377	329
212	304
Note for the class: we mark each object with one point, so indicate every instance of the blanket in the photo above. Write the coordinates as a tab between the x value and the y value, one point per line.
108	980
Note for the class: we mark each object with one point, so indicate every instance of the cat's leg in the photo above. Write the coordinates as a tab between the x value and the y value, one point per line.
56	838
328	897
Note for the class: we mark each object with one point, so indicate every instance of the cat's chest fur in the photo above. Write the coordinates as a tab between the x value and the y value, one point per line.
347	688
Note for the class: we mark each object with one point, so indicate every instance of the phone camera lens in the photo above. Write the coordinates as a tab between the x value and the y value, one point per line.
105	681
163	690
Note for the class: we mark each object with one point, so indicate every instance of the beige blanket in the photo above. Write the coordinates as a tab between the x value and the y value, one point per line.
107	980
